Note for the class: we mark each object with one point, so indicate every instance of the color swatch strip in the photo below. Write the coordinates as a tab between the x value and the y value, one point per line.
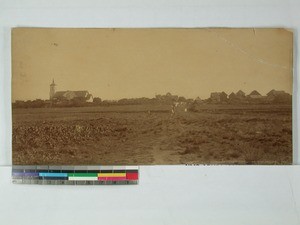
75	174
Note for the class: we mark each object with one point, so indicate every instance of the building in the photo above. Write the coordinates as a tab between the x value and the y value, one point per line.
254	95
218	97
198	100
240	94
279	97
273	93
83	96
232	96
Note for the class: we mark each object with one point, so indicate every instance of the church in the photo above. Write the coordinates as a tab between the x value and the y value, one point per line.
84	96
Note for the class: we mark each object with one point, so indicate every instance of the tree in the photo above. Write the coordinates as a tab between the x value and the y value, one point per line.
97	100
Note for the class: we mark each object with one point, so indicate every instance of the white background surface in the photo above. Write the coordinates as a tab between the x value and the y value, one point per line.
166	194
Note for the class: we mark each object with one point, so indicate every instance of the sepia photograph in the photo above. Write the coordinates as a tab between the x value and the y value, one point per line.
152	96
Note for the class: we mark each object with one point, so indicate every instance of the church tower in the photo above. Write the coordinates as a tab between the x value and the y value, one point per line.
52	89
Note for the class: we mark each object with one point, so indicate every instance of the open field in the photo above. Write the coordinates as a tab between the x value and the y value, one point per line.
150	134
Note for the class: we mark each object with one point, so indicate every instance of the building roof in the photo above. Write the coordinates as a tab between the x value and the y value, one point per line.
59	94
255	93
240	93
81	94
218	93
274	93
77	94
232	95
215	94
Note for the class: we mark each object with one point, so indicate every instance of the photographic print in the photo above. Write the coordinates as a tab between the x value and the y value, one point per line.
151	96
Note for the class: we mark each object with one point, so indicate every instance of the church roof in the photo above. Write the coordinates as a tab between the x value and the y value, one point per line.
81	94
77	94
59	94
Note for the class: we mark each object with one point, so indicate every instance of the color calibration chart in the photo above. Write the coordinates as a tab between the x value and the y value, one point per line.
75	175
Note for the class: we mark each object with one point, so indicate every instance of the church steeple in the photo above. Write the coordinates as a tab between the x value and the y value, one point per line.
52	89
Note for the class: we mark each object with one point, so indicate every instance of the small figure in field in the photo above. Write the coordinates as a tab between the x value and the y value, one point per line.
173	109
174	106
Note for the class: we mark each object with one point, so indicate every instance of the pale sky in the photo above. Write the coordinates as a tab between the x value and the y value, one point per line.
129	63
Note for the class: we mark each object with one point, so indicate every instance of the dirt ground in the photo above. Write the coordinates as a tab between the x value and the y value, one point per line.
151	135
